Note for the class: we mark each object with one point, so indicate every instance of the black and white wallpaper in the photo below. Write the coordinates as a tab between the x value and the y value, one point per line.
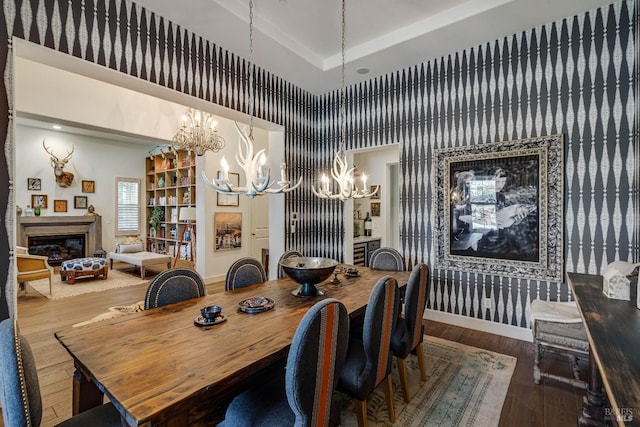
576	77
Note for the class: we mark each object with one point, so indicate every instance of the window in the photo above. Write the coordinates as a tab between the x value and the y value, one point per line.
127	206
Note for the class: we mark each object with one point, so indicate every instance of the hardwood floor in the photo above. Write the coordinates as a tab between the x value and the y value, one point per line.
548	404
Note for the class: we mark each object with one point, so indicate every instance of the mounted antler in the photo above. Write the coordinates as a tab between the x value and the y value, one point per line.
64	179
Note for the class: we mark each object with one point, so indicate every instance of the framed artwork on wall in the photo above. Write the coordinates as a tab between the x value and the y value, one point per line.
80	202
375	208
500	208
372	188
230	199
228	229
34	184
59	205
39	201
88	186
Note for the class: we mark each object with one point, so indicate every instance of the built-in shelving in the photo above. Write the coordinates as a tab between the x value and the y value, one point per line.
170	185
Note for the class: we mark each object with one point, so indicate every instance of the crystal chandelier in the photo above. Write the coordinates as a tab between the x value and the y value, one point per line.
257	176
341	173
198	133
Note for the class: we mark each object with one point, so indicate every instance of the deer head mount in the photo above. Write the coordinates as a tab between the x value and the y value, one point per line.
64	179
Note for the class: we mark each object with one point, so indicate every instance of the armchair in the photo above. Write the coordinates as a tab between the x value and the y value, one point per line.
32	267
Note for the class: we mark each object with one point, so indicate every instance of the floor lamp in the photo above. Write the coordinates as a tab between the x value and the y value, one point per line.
187	214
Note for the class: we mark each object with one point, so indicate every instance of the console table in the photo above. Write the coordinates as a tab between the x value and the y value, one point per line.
613	329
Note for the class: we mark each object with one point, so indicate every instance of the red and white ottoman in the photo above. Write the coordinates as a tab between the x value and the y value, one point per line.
78	267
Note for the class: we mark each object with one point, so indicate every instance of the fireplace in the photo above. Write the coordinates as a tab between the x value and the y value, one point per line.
58	248
60	237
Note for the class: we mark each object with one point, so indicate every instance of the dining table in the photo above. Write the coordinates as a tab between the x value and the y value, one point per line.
159	368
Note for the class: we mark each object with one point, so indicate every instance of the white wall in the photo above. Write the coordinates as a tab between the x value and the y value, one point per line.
93	159
74	99
374	164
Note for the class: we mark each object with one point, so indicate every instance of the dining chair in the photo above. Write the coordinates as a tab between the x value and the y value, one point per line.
244	272
284	256
368	361
32	267
386	259
174	285
303	394
409	331
20	390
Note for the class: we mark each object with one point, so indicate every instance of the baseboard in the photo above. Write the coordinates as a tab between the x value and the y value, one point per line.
480	325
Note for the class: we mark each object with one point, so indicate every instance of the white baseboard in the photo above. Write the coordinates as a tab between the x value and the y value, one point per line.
480	325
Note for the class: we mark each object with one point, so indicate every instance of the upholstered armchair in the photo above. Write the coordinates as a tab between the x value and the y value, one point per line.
409	332
368	361
32	267
244	272
20	398
174	285
386	259
302	395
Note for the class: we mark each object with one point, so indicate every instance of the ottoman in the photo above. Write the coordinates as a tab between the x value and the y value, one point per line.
78	267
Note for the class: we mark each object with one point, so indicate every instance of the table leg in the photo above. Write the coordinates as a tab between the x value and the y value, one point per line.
86	394
592	413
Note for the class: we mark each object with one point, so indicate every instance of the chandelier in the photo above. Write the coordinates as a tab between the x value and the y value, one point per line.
198	133
257	176
342	174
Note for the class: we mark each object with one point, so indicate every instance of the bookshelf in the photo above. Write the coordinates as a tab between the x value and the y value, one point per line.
170	185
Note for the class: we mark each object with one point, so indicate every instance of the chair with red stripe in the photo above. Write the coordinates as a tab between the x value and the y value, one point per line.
368	361
303	394
408	335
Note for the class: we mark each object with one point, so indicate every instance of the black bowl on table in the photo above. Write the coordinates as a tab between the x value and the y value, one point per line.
308	272
211	312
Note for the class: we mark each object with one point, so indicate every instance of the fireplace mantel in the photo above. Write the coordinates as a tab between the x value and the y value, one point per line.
90	225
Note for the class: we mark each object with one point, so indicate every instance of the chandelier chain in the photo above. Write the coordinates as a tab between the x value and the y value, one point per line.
250	106
343	114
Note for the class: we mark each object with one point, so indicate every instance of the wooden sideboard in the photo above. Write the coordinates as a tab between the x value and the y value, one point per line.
613	329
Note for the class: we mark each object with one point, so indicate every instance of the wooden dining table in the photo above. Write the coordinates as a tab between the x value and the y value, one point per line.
159	369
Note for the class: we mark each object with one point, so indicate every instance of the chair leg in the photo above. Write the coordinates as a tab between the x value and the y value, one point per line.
402	371
537	355
421	362
388	391
50	286
361	412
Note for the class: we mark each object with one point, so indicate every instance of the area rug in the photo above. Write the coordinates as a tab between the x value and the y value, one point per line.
466	386
84	285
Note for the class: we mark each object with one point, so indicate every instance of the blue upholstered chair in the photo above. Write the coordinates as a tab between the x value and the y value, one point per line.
174	285
368	361
20	389
303	394
284	256
408	334
386	259
244	272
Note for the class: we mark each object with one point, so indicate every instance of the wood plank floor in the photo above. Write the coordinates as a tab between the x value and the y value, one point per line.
549	404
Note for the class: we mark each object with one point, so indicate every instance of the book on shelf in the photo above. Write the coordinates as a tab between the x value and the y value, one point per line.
174	214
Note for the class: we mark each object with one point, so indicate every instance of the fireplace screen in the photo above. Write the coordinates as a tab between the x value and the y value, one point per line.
58	248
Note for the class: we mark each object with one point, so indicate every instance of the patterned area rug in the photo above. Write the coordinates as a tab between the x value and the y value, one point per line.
85	285
466	386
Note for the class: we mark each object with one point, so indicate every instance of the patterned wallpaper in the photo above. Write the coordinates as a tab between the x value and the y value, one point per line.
574	76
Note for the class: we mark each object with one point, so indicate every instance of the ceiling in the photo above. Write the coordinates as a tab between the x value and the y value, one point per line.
300	40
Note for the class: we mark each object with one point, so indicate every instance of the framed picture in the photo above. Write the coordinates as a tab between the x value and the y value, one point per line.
228	229
499	208
80	202
39	201
34	184
372	188
375	208
230	199
59	205
88	186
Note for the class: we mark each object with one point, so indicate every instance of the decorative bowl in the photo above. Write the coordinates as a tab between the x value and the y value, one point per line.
307	272
211	312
